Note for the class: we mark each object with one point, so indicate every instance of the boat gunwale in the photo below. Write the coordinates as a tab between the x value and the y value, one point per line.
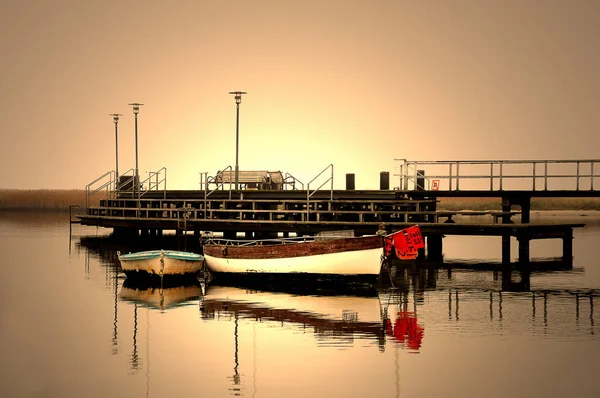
293	250
154	254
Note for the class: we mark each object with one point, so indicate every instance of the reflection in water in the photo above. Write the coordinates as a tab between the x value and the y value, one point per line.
134	354
115	341
334	319
160	297
448	303
236	390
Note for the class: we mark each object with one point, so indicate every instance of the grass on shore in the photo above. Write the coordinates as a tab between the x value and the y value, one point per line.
61	199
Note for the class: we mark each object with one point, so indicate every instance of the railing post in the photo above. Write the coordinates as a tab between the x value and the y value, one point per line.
307	201
501	174
577	184
450	176
406	177
331	196
165	185
457	176
534	176
545	175
592	176
491	176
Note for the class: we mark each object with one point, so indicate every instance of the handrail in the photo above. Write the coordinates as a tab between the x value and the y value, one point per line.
585	171
156	184
107	185
308	194
219	184
211	179
294	181
203	179
118	185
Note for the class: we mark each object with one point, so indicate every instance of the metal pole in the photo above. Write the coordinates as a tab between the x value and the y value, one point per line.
116	120
137	172
136	178
238	101
237	145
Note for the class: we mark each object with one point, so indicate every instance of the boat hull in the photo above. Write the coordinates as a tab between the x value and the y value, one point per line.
358	257
153	264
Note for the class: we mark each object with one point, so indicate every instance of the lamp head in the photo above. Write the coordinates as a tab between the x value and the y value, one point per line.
136	107
238	96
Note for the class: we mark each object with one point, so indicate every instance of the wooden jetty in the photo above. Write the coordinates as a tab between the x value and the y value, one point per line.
269	203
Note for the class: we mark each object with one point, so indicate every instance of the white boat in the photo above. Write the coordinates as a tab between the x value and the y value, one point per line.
359	257
161	263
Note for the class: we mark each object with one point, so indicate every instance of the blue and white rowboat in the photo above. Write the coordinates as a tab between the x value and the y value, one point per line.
161	263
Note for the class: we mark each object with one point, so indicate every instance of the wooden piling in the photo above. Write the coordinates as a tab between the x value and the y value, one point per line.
505	249
567	243
434	247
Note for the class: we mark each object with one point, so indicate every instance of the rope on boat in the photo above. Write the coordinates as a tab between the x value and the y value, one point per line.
162	269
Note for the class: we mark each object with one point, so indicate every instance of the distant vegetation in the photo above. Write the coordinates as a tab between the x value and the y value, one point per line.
536	204
61	199
43	199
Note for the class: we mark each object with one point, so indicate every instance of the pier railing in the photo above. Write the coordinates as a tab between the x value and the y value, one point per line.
498	175
291	181
309	194
155	181
105	182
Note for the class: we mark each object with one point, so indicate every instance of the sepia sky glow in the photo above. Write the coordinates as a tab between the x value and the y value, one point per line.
351	83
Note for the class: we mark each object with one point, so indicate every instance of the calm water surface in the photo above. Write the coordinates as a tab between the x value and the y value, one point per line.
72	326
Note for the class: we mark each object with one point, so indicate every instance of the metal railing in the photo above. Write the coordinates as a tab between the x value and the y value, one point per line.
309	194
104	182
155	180
213	180
125	183
114	187
495	175
290	180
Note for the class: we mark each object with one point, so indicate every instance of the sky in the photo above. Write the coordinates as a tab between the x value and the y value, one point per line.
350	83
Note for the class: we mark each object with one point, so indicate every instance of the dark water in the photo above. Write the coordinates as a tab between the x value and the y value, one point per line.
71	326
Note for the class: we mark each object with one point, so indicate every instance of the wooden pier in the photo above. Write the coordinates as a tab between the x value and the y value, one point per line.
268	204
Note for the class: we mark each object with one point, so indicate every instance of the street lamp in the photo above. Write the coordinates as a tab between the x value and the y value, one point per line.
136	178
238	101
116	120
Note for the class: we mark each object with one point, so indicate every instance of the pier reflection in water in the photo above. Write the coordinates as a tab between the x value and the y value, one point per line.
72	325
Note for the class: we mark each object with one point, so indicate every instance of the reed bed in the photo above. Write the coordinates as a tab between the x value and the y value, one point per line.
536	204
44	199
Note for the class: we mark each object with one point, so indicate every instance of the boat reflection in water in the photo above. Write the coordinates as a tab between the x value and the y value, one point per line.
159	296
336	320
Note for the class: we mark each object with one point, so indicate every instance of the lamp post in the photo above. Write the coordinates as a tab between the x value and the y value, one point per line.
238	101
116	120
136	178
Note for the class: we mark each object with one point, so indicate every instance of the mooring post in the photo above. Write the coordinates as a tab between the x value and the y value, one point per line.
567	241
505	249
